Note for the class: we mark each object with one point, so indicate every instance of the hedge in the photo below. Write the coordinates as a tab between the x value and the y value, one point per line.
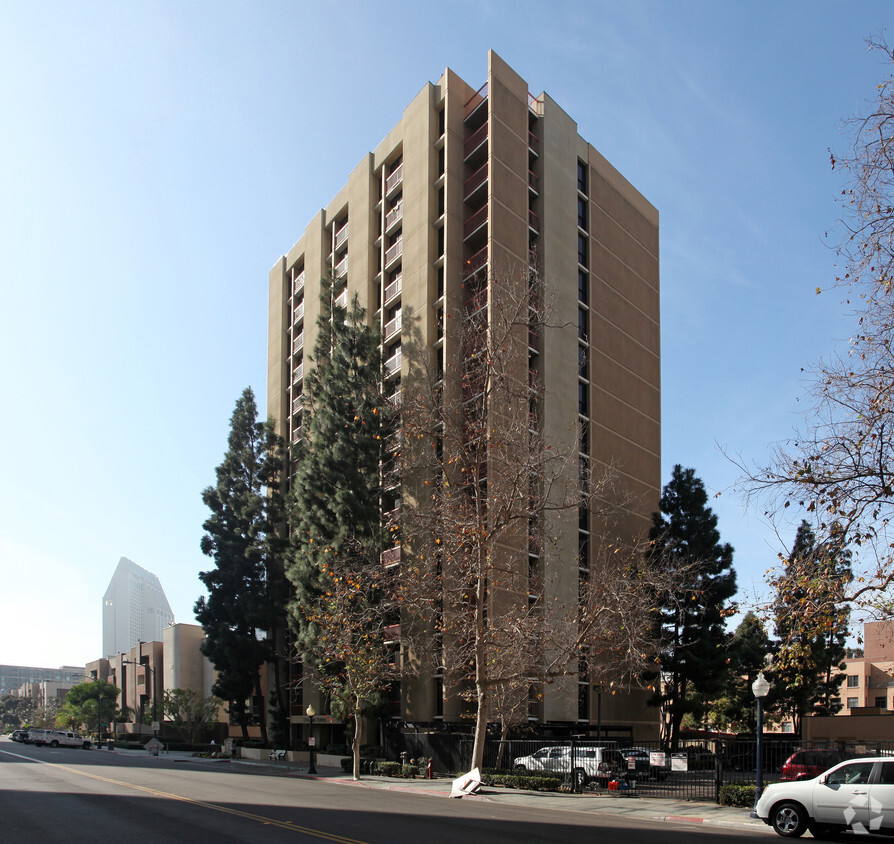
737	794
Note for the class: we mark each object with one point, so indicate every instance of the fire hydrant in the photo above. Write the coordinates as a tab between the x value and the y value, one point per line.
431	773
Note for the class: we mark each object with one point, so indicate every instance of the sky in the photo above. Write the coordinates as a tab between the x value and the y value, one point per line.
159	157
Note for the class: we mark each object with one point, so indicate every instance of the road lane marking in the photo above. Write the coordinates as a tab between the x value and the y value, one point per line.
289	825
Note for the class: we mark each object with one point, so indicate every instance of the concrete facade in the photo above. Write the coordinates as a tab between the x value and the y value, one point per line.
477	183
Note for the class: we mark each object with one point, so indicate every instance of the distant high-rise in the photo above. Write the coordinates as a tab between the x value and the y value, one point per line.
134	609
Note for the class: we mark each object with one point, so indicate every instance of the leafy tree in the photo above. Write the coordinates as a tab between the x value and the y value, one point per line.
812	624
342	600
840	467
190	711
16	712
685	538
244	610
91	702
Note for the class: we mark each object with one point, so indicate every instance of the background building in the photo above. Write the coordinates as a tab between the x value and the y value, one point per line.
134	609
476	183
13	677
868	680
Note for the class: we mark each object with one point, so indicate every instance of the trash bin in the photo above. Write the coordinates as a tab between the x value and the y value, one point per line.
111	745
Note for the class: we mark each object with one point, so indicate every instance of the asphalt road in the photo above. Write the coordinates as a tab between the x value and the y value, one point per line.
73	795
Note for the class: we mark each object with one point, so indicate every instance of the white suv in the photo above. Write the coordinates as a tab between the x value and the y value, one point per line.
857	795
590	763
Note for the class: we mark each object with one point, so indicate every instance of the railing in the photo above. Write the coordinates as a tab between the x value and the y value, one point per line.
475	303
394	215
298	283
298	343
475	100
533	181
297	434
341	301
392	365
393	289
296	404
391	633
533	103
475	222
392	327
478	178
533	143
534	221
299	312
476	139
393	252
395	399
394	178
341	268
341	235
298	373
476	262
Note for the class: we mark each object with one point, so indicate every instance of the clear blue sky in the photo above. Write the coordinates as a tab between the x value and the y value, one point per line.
158	157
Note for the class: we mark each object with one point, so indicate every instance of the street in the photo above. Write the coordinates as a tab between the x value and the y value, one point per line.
72	795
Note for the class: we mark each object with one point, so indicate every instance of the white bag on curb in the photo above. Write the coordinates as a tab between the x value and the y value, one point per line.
466	784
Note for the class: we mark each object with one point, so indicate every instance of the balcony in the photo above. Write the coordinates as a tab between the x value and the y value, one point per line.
391	633
392	365
475	181
298	373
533	222
298	283
297	433
341	268
395	398
394	179
533	143
392	517
298	343
392	328
391	557
393	290
475	222
393	252
476	140
475	263
297	404
298	315
476	100
341	236
534	182
475	303
395	215
341	301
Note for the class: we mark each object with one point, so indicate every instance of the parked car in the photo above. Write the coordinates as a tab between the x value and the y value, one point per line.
18	735
597	764
806	764
66	738
855	795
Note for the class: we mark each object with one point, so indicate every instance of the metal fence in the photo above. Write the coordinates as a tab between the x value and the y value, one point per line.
693	770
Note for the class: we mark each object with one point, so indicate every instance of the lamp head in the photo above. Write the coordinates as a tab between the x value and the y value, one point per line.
761	686
310	711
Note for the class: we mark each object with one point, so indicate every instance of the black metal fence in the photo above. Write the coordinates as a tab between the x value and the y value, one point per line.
694	770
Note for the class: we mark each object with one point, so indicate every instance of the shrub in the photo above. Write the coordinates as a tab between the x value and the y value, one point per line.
409	771
531	782
737	794
389	769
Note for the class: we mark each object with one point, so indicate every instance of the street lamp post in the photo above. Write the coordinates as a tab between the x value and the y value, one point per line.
310	741
760	687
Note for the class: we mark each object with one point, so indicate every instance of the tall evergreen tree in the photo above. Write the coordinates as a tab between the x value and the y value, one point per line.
812	618
685	540
246	588
339	609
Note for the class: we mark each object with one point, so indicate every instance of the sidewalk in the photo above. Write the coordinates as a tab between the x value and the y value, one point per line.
642	808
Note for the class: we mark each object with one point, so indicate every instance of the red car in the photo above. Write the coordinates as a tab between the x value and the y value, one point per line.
806	764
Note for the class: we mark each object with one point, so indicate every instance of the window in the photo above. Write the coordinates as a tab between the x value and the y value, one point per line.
855	774
853	681
583	363
441	161
583	327
583	287
852	702
582	250
581	176
441	122
582	212
887	776
583	399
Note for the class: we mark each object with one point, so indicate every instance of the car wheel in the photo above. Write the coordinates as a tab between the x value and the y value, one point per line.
86	745
789	820
580	779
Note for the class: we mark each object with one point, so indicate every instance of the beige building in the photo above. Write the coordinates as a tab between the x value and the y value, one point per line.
869	679
476	182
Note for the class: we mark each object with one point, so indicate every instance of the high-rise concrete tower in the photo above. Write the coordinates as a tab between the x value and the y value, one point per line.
134	609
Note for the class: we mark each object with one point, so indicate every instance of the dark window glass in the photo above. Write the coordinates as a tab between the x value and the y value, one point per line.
582	250
581	176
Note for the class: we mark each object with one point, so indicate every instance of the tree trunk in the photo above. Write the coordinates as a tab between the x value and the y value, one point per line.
358	737
262	710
